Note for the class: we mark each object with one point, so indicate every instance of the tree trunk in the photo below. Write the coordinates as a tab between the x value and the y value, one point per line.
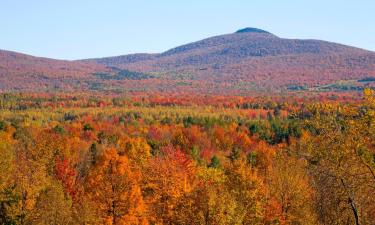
351	203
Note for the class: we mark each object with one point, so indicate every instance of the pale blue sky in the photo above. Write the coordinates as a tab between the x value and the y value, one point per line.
74	29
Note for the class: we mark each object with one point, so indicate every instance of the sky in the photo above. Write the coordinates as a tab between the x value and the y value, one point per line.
77	29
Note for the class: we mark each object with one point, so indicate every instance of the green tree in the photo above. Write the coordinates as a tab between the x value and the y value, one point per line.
215	162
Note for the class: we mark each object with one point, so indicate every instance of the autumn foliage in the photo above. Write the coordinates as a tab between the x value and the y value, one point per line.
167	160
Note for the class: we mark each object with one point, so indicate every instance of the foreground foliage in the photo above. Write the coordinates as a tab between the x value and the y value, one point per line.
145	163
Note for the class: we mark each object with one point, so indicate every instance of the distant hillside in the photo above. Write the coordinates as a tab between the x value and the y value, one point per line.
254	59
23	72
248	60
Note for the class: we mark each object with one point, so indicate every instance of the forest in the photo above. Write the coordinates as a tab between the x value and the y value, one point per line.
101	159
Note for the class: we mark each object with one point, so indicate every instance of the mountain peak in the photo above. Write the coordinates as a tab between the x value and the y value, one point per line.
252	30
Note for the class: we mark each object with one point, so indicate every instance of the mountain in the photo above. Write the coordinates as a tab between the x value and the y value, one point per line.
254	59
248	60
28	73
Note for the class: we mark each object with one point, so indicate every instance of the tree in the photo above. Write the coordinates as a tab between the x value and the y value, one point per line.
209	202
7	195
52	207
290	188
337	151
235	154
114	187
167	179
135	149
247	188
67	176
215	162
34	159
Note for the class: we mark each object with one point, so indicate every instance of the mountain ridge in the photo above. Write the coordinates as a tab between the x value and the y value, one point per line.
250	59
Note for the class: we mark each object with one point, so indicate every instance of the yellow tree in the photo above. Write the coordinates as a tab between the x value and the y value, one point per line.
31	171
209	202
340	156
52	207
7	157
289	187
136	149
248	190
114	187
167	179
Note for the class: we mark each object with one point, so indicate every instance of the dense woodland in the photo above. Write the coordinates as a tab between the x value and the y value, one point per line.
79	159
